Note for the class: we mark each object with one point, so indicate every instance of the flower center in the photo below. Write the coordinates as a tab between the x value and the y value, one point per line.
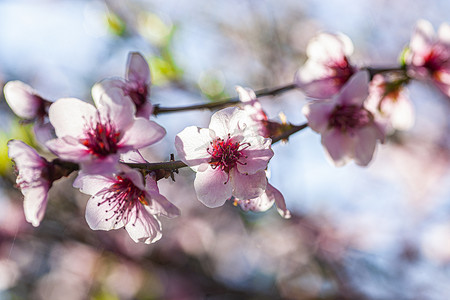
120	199
225	153
102	139
349	117
437	58
342	71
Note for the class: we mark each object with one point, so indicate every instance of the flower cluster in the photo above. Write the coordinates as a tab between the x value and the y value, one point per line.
95	138
353	108
100	140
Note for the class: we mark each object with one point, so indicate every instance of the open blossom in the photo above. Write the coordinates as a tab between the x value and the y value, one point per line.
349	130
136	84
98	135
26	103
327	68
265	201
229	157
390	101
428	55
123	199
34	179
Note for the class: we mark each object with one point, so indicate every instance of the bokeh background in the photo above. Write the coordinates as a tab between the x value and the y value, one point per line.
381	232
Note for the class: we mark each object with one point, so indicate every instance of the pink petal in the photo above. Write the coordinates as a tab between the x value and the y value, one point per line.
134	175
422	38
248	186
355	91
325	47
339	146
24	156
274	194
91	184
137	69
69	116
366	141
318	88
113	105
22	99
146	228
318	114
245	94
192	144
142	133
43	132
69	148
161	206
99	217
213	187
444	33
105	85
402	117
132	157
35	203
257	155
258	204
226	121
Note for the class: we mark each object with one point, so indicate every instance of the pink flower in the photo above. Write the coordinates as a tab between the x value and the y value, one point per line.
327	68
26	103
428	55
229	157
349	130
124	200
136	84
98	135
34	179
265	201
389	100
254	109
258	118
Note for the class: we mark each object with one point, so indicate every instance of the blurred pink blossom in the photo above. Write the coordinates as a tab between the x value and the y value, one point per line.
265	201
34	179
327	68
124	200
96	136
136	84
428	55
390	101
229	157
349	130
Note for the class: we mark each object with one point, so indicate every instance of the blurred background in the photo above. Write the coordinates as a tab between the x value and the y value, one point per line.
381	232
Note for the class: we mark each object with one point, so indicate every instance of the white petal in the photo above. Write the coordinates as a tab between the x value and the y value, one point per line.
70	116
248	186
213	187
192	145
146	228
100	216
35	203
